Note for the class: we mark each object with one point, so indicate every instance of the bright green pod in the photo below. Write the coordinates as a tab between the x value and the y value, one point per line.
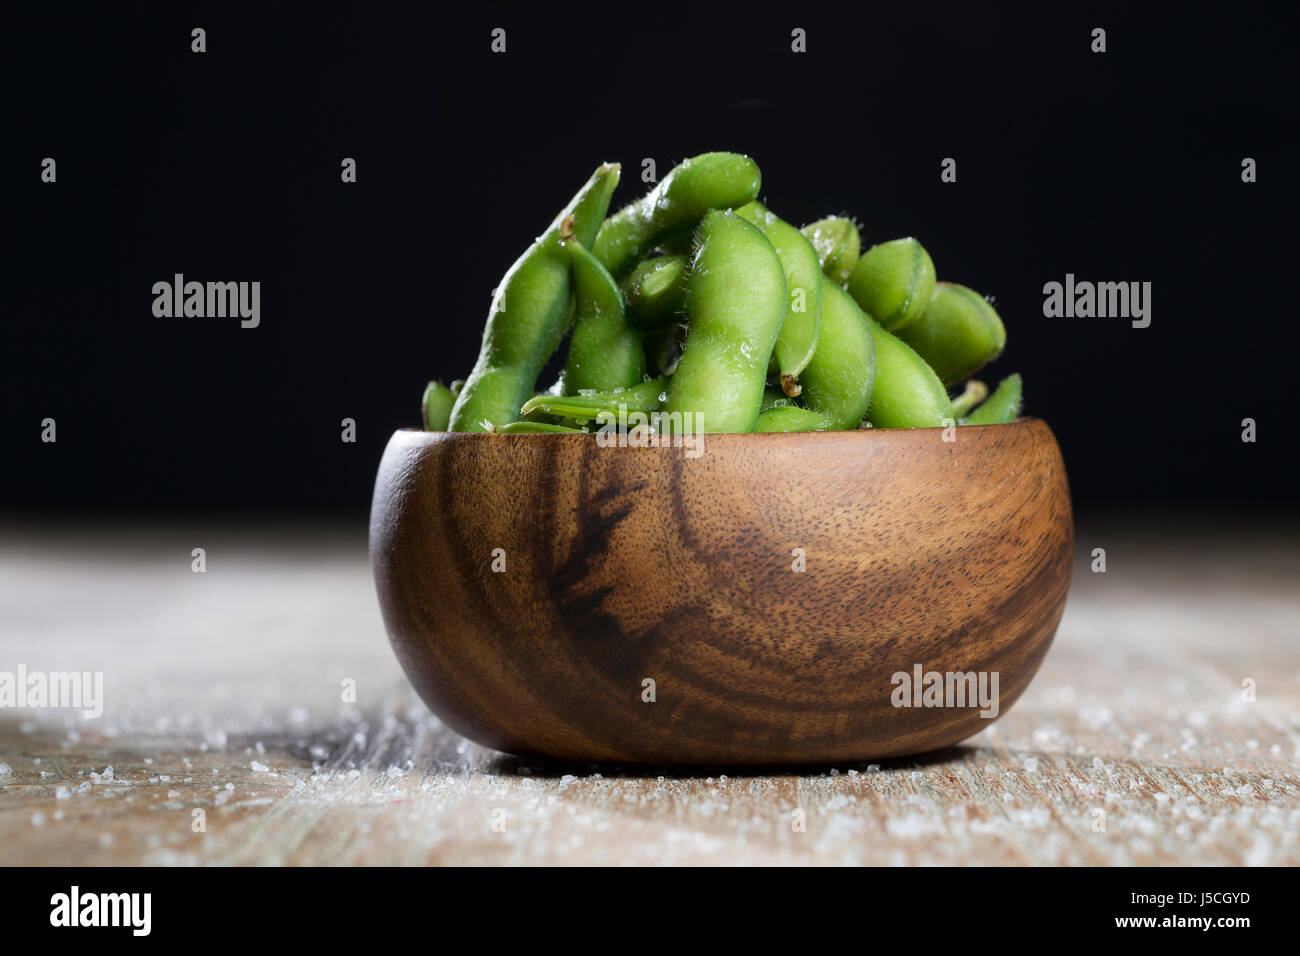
838	246
645	397
1002	407
793	418
839	379
675	205
893	282
906	393
526	320
803	282
736	304
605	352
436	406
655	291
958	334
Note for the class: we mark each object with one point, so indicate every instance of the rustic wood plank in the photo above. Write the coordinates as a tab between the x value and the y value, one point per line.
1138	712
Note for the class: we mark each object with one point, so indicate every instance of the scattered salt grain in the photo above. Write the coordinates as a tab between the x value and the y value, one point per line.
1031	764
5	770
259	767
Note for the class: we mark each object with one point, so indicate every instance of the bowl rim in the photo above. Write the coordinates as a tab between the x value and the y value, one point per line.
1019	422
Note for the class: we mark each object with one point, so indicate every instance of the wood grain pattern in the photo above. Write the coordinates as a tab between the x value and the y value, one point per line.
628	564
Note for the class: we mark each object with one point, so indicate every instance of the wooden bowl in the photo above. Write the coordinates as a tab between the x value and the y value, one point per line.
625	566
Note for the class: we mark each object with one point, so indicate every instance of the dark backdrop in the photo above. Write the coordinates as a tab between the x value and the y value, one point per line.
225	166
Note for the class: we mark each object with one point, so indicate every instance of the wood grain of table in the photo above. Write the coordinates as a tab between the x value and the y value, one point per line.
224	694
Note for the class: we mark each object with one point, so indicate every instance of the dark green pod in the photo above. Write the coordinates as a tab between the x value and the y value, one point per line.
655	291
907	393
436	406
958	334
1002	407
605	352
527	317
839	379
838	245
793	418
893	282
672	209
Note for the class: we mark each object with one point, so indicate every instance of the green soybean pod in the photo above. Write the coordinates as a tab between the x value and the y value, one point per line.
958	334
605	352
907	393
838	381
436	406
655	291
893	282
803	281
527	317
708	181
1002	407
645	397
838	246
736	304
793	418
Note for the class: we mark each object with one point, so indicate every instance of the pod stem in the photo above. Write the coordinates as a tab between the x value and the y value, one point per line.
975	393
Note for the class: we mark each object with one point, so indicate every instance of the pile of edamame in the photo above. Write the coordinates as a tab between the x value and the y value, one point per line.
697	302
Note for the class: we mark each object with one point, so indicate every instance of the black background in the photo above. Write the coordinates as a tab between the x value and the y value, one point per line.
226	166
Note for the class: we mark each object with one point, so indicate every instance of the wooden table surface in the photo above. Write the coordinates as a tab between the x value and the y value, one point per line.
223	694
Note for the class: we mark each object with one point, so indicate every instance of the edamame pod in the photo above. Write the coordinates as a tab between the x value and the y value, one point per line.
893	282
793	418
527	316
958	334
708	181
837	382
436	406
656	291
838	246
736	302
907	393
646	397
1002	407
605	352
974	393
803	281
